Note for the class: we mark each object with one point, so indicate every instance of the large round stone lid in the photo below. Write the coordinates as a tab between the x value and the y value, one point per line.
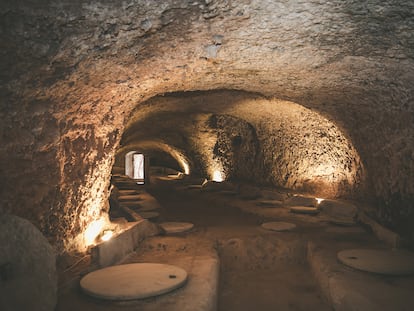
382	261
176	227
133	281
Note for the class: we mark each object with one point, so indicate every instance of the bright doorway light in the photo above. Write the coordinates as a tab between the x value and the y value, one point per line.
218	176
138	163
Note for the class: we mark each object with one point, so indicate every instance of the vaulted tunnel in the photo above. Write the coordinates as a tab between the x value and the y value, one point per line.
312	96
64	111
160	153
250	138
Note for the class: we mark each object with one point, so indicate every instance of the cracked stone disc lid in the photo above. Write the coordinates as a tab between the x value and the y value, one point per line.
382	261
133	281
176	227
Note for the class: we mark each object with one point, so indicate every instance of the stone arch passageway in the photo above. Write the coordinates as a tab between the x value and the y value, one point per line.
158	153
247	137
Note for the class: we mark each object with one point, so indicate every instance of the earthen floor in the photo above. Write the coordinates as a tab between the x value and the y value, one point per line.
259	269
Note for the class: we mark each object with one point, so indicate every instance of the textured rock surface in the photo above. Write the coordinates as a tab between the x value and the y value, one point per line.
338	209
28	277
72	72
247	137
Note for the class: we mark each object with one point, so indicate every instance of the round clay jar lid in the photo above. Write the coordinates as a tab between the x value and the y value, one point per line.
382	261
176	227
133	281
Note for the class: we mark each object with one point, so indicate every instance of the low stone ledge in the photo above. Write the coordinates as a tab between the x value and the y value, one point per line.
389	237
348	289
110	252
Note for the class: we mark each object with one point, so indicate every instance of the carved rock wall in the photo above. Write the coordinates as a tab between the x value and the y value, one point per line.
251	138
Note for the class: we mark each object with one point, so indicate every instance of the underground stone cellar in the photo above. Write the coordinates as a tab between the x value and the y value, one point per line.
244	113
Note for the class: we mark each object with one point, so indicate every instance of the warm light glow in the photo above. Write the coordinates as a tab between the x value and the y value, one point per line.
179	175
138	164
154	145
218	176
186	167
183	162
93	230
107	235
319	200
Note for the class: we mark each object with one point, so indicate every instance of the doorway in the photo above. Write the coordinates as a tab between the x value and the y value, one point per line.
135	166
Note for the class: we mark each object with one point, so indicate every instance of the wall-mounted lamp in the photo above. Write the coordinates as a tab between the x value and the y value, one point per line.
107	235
218	176
319	200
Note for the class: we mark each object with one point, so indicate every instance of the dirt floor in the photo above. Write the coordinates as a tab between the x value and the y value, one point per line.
260	269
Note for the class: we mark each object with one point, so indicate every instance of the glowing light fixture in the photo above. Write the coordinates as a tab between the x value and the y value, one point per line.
107	235
92	231
218	176
319	200
185	165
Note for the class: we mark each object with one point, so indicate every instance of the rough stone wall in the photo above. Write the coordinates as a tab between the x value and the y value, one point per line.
236	148
29	280
86	64
251	138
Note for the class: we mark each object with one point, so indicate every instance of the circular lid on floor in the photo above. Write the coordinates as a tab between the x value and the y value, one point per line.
304	210
149	215
133	281
382	261
176	227
278	226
